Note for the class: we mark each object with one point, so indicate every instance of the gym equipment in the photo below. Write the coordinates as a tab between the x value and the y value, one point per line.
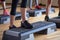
52	10
18	16
34	13
6	19
37	12
55	20
28	34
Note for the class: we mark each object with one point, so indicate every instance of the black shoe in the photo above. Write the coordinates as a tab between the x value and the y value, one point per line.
26	25
46	18
12	27
59	14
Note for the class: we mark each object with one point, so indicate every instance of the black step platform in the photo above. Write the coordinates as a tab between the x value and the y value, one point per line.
27	34
55	20
34	13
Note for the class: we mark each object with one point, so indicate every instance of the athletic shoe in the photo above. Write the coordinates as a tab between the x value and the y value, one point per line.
5	12
12	27
38	7
26	25
59	14
46	18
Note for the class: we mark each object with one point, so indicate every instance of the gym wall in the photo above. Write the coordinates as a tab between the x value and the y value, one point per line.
54	2
10	1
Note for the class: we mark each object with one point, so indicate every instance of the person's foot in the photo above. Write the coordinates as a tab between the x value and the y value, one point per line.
38	7
26	25
59	14
46	18
5	12
12	27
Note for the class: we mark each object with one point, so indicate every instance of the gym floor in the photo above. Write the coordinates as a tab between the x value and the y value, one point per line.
53	36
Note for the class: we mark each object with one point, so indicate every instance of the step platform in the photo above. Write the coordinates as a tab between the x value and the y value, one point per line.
38	12
52	10
34	13
18	16
28	34
4	19
55	20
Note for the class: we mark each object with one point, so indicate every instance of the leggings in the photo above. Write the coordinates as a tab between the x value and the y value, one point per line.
14	5
2	0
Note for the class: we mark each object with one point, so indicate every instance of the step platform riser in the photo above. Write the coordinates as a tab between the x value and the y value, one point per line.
27	34
34	13
18	16
55	20
52	10
10	37
48	30
6	19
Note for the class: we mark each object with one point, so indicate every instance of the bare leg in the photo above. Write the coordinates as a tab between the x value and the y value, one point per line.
23	11
24	23
5	11
13	12
59	7
48	6
4	5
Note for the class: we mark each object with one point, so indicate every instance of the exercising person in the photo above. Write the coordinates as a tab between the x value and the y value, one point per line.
24	22
48	6
35	2
37	6
5	11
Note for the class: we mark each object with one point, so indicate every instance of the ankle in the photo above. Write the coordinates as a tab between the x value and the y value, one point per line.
10	25
47	16
23	21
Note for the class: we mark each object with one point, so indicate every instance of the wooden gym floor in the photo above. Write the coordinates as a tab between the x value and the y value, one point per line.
53	36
